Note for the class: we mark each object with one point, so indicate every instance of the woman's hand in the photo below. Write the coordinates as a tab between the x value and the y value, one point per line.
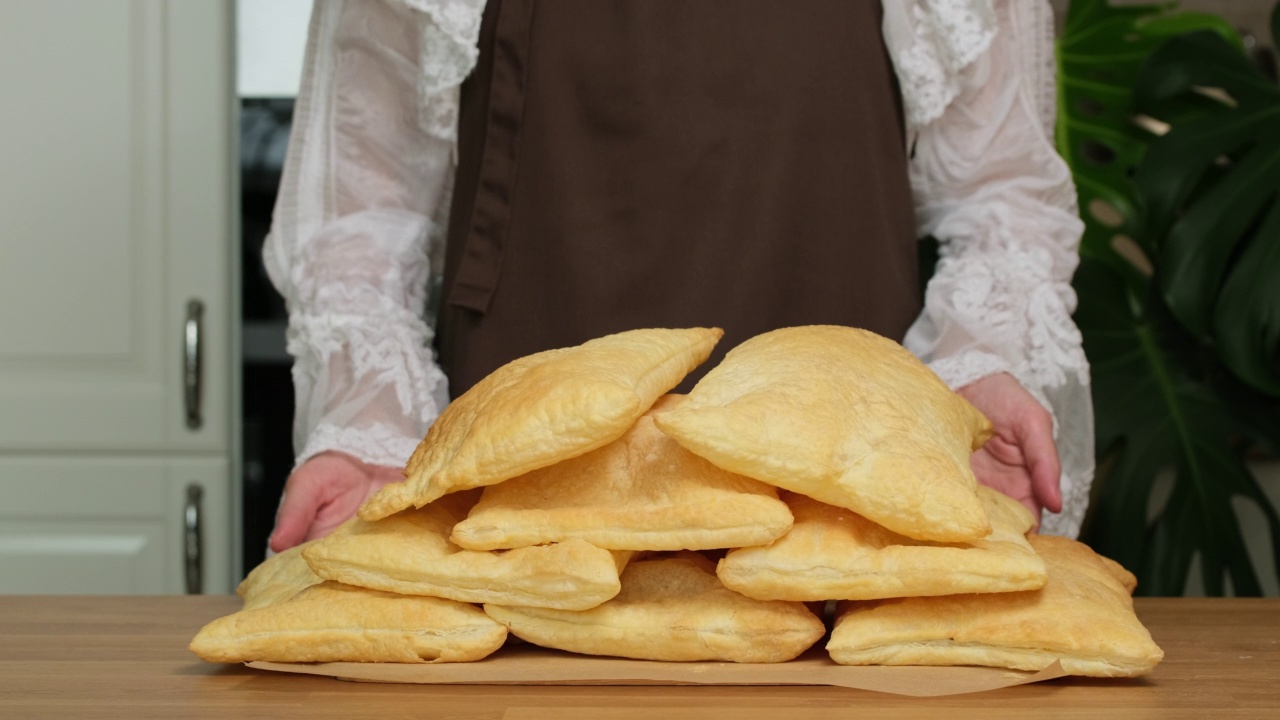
323	493
1021	461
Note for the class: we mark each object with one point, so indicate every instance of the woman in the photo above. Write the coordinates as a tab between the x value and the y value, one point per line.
611	164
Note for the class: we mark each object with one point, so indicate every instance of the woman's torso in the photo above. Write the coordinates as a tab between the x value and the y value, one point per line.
730	163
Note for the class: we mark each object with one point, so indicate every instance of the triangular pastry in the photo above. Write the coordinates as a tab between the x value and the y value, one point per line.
846	417
277	579
835	554
331	622
1083	617
672	608
410	553
641	492
544	408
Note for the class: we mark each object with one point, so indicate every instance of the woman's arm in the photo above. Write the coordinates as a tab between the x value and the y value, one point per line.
991	187
364	179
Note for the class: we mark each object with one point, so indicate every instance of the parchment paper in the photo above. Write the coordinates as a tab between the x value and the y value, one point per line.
528	665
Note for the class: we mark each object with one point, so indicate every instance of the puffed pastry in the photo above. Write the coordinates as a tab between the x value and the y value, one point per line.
835	554
277	579
847	417
543	408
410	553
672	608
331	622
641	492
1083	617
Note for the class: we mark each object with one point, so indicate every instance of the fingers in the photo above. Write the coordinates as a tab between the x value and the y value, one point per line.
322	526
1011	479
1036	438
382	475
297	512
324	493
1035	508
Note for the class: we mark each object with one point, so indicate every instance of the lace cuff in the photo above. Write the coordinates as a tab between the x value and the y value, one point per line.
377	444
1000	310
960	370
366	384
362	353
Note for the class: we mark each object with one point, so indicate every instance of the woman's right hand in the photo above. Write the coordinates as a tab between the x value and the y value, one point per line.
324	492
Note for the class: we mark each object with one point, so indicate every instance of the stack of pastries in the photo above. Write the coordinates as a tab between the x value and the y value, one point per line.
569	500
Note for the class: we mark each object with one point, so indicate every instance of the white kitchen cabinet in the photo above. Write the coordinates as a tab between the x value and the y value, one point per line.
116	303
111	525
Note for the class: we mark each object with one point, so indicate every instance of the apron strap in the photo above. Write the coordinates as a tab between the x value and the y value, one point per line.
480	264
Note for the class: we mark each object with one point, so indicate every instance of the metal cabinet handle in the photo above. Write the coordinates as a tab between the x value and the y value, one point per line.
192	541
191	355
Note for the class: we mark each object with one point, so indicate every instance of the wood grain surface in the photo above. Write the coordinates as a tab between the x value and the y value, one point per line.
126	657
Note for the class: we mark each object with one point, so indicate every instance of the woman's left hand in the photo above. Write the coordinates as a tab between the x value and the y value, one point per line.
1021	460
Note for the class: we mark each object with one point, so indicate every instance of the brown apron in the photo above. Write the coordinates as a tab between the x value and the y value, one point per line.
675	163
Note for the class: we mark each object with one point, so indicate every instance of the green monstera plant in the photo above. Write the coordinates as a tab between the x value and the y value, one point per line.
1173	137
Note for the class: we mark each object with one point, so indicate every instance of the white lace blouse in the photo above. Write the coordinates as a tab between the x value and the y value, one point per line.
357	227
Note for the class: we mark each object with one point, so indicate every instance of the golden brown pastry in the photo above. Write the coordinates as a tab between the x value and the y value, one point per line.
846	417
672	608
640	492
835	554
544	408
1083	617
331	622
277	579
410	553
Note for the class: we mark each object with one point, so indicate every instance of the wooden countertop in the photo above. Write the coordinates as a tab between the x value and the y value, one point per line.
70	657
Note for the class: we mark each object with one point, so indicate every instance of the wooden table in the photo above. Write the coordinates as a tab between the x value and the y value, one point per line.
73	657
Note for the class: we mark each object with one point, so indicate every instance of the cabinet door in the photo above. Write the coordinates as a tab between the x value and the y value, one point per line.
115	211
114	525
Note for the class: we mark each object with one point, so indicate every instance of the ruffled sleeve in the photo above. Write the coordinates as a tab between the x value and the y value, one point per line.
990	186
365	186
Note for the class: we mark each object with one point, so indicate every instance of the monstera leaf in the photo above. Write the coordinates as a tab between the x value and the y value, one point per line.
1210	186
1158	410
1100	53
1172	421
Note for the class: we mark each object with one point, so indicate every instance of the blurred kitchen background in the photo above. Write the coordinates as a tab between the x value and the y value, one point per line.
270	39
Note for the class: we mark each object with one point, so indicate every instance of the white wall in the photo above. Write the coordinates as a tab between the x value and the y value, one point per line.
271	36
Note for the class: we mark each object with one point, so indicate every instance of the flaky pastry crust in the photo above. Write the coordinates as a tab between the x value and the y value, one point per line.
847	417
